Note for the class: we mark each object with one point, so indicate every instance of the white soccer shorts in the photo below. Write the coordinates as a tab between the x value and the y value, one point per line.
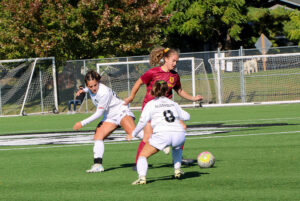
161	140
116	114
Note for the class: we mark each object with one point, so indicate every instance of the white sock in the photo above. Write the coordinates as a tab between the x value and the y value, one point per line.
98	148
177	157
142	166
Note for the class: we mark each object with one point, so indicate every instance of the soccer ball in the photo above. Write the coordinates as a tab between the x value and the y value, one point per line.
206	159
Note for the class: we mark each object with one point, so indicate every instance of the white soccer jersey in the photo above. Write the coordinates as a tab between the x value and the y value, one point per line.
106	102
164	115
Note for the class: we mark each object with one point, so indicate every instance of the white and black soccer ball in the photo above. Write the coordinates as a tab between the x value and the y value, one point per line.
206	159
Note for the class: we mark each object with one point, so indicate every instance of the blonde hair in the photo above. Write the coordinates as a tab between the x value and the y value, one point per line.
159	88
159	53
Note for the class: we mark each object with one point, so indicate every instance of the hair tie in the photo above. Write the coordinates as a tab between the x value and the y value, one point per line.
166	50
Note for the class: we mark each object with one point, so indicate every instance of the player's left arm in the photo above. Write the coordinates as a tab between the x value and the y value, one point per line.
187	96
183	115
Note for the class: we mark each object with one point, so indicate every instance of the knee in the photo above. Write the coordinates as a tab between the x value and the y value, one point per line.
98	137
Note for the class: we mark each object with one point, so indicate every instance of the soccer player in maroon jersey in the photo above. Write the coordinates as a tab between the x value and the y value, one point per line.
162	71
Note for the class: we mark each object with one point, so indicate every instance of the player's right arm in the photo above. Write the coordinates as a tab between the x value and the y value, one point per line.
144	119
134	90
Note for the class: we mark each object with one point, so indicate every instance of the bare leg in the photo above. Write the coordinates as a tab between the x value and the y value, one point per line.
147	134
142	164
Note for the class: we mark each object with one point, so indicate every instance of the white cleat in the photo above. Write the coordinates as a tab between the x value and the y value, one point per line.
141	180
96	168
167	149
178	173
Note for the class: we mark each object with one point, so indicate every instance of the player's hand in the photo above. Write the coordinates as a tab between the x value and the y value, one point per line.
198	98
128	100
79	92
129	137
77	126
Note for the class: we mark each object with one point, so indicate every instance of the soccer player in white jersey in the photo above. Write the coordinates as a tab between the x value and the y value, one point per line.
164	115
114	113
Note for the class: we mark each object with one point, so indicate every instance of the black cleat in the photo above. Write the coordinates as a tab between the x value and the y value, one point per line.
186	161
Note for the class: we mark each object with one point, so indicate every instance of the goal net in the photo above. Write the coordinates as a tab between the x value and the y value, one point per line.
27	86
121	76
257	79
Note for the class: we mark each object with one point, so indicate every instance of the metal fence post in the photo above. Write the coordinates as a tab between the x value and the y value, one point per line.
242	77
86	96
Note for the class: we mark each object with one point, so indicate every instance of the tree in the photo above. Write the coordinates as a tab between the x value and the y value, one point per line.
270	22
77	29
208	21
228	24
292	28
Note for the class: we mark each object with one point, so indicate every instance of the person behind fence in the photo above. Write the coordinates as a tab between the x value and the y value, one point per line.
77	101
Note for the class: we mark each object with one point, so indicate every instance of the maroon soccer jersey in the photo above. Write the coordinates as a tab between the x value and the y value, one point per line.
156	73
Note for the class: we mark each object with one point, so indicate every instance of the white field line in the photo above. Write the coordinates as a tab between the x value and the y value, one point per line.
191	122
194	138
244	121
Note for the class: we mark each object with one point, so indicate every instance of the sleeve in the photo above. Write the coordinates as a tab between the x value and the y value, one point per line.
104	99
183	115
145	117
95	116
147	77
103	104
85	89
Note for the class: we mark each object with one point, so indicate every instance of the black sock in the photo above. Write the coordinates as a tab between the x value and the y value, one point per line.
98	160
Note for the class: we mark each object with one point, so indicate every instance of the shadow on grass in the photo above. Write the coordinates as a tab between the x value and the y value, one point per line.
186	175
193	163
126	165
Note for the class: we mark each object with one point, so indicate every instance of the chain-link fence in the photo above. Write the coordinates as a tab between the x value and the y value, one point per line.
71	75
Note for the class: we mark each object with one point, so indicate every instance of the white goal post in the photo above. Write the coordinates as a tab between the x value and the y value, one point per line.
28	86
257	79
121	76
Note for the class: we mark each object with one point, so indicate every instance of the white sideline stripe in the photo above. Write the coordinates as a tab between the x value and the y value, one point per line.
245	135
208	137
192	122
246	120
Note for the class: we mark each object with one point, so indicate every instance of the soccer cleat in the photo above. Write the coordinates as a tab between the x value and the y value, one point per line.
167	149
178	173
96	168
186	161
141	180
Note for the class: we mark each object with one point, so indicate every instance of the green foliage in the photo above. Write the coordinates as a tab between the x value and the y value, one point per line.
78	29
292	28
207	20
266	21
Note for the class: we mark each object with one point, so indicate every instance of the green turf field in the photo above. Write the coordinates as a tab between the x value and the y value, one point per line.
257	158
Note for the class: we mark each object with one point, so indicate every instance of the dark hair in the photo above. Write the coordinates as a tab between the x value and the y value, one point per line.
159	53
92	75
159	88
